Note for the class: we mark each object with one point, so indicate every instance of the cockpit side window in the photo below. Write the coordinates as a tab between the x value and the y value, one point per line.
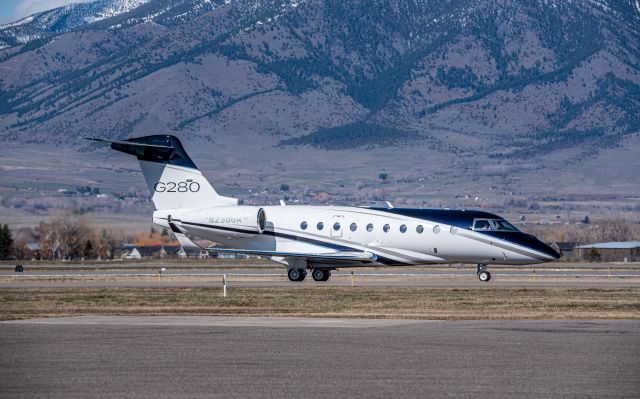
493	225
503	225
482	224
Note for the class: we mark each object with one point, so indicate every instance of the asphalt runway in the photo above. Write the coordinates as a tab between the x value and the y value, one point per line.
453	277
238	357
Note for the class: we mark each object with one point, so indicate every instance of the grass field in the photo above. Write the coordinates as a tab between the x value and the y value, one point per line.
366	302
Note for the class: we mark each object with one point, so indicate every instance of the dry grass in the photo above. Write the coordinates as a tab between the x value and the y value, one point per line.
369	302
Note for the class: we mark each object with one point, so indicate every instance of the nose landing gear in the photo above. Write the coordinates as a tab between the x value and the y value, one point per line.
483	274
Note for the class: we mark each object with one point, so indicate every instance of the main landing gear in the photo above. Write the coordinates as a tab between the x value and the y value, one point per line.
317	274
320	274
297	274
483	274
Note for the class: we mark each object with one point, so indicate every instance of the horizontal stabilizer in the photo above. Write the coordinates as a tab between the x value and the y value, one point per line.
353	256
160	148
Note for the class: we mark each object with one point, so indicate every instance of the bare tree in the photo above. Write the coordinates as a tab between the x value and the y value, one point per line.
620	230
49	240
597	231
71	236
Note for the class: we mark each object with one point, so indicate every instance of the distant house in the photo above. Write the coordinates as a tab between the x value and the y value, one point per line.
32	250
150	251
133	254
192	253
628	251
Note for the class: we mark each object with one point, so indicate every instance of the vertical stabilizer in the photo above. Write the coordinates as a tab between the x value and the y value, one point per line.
173	179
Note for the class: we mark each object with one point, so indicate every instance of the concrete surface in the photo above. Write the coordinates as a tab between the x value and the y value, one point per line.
172	356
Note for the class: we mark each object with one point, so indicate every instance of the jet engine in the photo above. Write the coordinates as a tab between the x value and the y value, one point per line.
232	221
236	220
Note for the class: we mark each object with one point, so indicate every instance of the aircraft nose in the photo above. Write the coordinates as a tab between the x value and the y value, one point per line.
534	243
548	249
554	250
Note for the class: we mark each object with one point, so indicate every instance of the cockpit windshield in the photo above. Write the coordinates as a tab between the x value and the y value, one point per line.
503	225
493	225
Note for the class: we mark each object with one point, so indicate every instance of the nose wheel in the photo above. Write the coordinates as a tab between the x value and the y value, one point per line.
483	274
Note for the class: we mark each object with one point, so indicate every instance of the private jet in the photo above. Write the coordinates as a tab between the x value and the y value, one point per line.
320	239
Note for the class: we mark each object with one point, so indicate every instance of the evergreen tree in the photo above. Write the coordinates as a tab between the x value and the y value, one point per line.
2	242
6	242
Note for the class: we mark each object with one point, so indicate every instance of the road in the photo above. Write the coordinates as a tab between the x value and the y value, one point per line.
240	357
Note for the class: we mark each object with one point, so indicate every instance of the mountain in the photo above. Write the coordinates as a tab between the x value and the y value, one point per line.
507	86
61	20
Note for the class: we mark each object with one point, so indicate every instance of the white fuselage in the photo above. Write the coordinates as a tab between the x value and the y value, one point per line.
407	241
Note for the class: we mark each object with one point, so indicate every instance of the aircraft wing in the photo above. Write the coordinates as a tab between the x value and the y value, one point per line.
329	257
182	236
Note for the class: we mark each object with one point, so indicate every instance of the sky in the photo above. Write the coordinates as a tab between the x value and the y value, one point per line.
12	10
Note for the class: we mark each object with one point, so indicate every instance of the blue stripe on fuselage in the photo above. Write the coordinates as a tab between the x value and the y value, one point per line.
464	219
452	217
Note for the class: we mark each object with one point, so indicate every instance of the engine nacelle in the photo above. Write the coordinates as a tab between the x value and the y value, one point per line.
233	220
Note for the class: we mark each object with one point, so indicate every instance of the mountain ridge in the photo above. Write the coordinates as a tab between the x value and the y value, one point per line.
63	19
501	80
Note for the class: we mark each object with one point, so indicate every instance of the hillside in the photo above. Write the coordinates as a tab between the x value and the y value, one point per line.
44	25
518	92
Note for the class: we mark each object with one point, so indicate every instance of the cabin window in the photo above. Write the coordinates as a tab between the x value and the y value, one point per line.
353	227
436	229
386	228
303	225
336	226
403	228
370	227
320	226
419	229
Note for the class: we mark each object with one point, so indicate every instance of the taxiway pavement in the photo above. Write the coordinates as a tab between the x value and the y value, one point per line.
257	357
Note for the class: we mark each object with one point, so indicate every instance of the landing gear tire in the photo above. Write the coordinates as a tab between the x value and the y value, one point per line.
320	274
296	274
484	276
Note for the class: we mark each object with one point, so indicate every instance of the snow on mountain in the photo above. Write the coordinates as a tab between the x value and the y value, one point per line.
61	20
115	8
